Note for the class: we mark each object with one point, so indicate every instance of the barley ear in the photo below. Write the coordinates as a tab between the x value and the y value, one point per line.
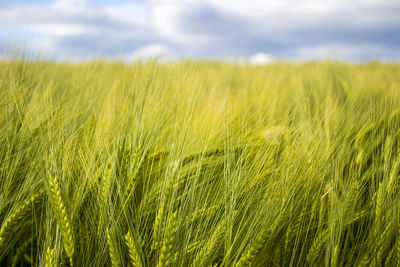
115	261
194	246
318	243
60	212
210	248
393	175
136	166
133	253
50	258
163	207
364	261
105	180
383	238
254	250
20	251
167	256
398	251
19	215
378	209
132	178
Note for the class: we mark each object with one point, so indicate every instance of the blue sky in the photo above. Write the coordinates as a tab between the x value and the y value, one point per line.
255	30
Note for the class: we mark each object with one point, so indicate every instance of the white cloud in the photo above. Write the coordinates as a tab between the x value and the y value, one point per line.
64	29
276	15
149	52
69	3
168	18
261	59
359	29
76	29
133	14
346	52
74	13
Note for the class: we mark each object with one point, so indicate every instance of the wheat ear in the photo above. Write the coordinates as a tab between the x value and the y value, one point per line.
364	261
316	246
163	207
254	250
105	181
378	209
18	215
50	258
393	175
132	178
209	249
166	257
60	212
20	251
389	258
115	261
383	238
293	230
130	188
124	163
194	246
133	253
199	214
398	250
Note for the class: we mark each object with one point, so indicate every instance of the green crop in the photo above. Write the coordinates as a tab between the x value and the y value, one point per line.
199	164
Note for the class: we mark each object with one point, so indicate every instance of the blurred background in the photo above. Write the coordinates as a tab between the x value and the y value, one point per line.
256	31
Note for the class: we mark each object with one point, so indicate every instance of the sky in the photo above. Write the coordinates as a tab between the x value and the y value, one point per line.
257	31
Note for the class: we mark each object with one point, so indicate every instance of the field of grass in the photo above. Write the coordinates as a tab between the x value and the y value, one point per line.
199	164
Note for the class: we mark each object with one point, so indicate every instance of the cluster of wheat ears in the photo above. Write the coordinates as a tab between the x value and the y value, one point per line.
199	164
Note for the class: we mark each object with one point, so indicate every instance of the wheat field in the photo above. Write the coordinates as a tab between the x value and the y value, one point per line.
199	164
